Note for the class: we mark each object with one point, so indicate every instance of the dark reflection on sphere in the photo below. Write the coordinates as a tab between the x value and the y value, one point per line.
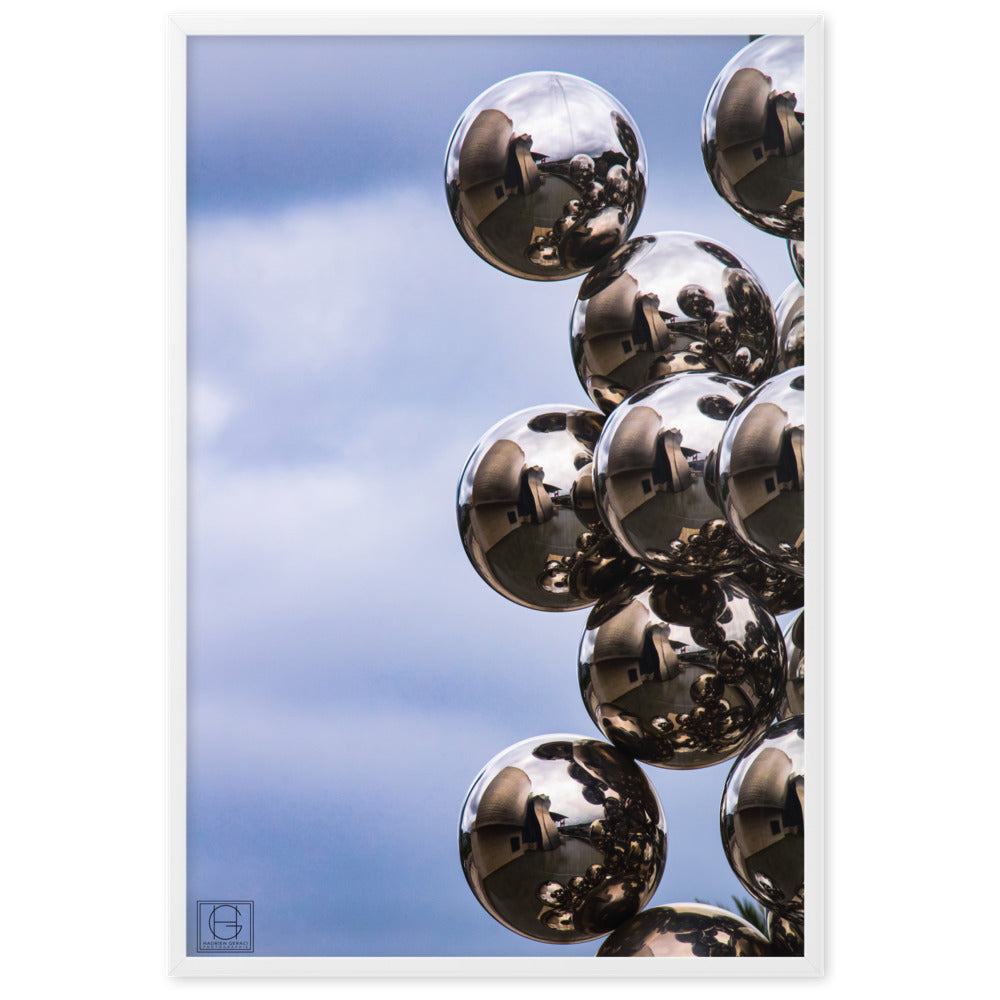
763	817
545	175
527	513
651	464
780	591
794	701
786	934
790	313
562	838
683	673
669	303
761	471
753	134
797	255
685	930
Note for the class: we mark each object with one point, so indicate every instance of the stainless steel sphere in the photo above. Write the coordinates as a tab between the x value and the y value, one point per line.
685	930
761	471
651	464
562	838
763	817
753	134
668	303
790	313
527	515
683	673
786	934
794	700
797	255
545	175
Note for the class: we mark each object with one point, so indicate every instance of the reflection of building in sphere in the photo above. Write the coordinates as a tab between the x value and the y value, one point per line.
526	508
651	465
665	304
684	930
761	470
494	164
759	142
763	817
545	175
753	134
562	838
683	673
510	821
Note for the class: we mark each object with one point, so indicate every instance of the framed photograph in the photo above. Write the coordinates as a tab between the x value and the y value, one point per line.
487	497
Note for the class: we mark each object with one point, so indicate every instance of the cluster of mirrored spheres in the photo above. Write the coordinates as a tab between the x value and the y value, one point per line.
673	509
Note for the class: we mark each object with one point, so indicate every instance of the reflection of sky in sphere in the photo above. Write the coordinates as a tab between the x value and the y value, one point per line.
563	114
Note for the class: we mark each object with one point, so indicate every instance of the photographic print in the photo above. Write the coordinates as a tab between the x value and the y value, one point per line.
495	500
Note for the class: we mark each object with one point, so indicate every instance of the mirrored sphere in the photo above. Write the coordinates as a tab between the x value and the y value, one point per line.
527	514
763	817
683	673
786	934
797	255
669	303
753	134
685	930
794	701
790	313
545	175
652	462
761	471
562	838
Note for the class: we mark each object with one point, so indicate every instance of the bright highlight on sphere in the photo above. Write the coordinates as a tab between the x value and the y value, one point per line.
761	471
668	303
653	465
682	673
685	930
562	838
545	175
763	817
753	134
526	512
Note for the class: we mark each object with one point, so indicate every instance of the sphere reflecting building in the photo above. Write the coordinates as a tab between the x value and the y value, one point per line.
653	465
753	134
527	514
545	175
763	817
669	303
685	930
761	471
682	673
562	838
790	314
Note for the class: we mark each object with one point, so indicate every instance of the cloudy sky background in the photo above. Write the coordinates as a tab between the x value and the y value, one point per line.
349	673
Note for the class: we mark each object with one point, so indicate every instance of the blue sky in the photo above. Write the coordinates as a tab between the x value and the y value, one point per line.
349	673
